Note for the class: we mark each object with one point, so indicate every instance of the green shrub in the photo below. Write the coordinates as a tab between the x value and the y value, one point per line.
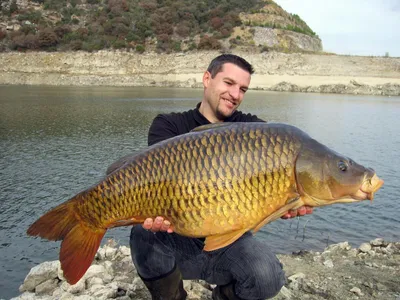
140	48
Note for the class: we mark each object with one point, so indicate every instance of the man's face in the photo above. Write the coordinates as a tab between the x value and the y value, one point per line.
225	91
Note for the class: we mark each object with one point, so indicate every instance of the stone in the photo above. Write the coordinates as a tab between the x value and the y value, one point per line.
75	288
105	293
126	251
47	287
40	274
296	276
377	242
365	247
356	291
110	252
93	281
95	271
328	263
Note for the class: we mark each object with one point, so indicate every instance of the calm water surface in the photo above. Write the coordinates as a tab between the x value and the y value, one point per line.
56	141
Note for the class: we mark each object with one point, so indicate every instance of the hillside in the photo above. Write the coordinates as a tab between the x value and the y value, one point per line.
149	25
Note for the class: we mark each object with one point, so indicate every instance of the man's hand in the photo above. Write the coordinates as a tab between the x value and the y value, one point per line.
159	224
301	211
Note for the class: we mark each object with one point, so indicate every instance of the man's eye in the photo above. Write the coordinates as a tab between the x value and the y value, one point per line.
228	82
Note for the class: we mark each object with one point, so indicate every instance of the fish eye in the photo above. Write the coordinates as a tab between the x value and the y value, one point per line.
342	166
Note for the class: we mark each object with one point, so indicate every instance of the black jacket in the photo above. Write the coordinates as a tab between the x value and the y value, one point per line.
165	126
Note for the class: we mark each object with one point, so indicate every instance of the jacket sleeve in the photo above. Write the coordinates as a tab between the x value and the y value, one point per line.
161	128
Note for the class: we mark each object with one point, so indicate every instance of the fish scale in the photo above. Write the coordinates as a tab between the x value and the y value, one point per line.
206	178
218	182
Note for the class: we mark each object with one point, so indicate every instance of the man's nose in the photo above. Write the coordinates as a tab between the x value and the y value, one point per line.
234	92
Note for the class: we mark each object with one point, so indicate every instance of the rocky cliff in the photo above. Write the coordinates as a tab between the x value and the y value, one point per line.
274	71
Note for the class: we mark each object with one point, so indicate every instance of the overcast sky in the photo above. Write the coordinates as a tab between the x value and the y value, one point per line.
356	27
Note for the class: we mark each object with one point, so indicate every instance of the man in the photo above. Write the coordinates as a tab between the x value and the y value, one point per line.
246	269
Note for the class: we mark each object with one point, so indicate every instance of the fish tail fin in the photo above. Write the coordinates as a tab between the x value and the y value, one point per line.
80	242
78	250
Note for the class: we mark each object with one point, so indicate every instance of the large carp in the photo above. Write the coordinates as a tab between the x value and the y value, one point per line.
217	181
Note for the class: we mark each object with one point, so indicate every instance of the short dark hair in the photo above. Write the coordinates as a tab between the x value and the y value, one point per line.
216	64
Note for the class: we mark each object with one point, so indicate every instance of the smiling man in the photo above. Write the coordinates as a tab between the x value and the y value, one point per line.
246	269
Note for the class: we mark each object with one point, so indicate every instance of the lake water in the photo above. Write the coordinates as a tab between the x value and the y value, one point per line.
57	141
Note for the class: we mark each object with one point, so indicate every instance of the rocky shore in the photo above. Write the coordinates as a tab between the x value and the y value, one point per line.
296	72
371	271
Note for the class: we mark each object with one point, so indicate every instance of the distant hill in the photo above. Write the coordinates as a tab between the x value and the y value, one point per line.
152	25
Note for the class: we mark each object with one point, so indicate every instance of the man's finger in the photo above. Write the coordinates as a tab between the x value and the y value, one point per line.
301	211
165	225
293	213
148	223
157	224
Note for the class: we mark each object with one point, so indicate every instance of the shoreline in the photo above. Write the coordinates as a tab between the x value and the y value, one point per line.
274	71
371	271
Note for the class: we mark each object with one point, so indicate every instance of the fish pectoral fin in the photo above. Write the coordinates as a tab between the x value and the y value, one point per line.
218	241
279	213
127	222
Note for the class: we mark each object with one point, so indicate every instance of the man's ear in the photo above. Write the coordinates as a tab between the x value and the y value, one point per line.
206	78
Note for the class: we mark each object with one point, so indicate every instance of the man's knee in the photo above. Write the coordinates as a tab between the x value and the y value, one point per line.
263	278
263	283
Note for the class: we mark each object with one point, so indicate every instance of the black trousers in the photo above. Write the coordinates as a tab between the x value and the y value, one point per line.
249	263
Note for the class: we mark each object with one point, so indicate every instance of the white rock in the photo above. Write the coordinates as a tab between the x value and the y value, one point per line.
377	242
339	246
124	278
105	293
84	297
101	254
60	273
40	273
365	247
110	252
95	287
47	287
94	281
66	296
356	291
108	265
126	251
75	288
328	263
25	296
285	293
296	276
107	278
95	271
352	253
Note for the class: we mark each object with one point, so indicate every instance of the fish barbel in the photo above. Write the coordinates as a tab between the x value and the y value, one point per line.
217	182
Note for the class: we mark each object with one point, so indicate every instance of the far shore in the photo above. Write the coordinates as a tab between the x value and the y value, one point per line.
274	71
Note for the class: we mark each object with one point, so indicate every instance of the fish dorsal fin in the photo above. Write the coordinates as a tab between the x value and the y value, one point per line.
119	163
218	241
291	204
211	126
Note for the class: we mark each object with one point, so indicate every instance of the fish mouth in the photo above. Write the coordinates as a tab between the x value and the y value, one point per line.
368	188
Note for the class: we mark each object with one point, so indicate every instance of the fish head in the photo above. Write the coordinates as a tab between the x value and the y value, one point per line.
324	177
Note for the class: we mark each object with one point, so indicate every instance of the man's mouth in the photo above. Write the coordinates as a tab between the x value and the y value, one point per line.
229	103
